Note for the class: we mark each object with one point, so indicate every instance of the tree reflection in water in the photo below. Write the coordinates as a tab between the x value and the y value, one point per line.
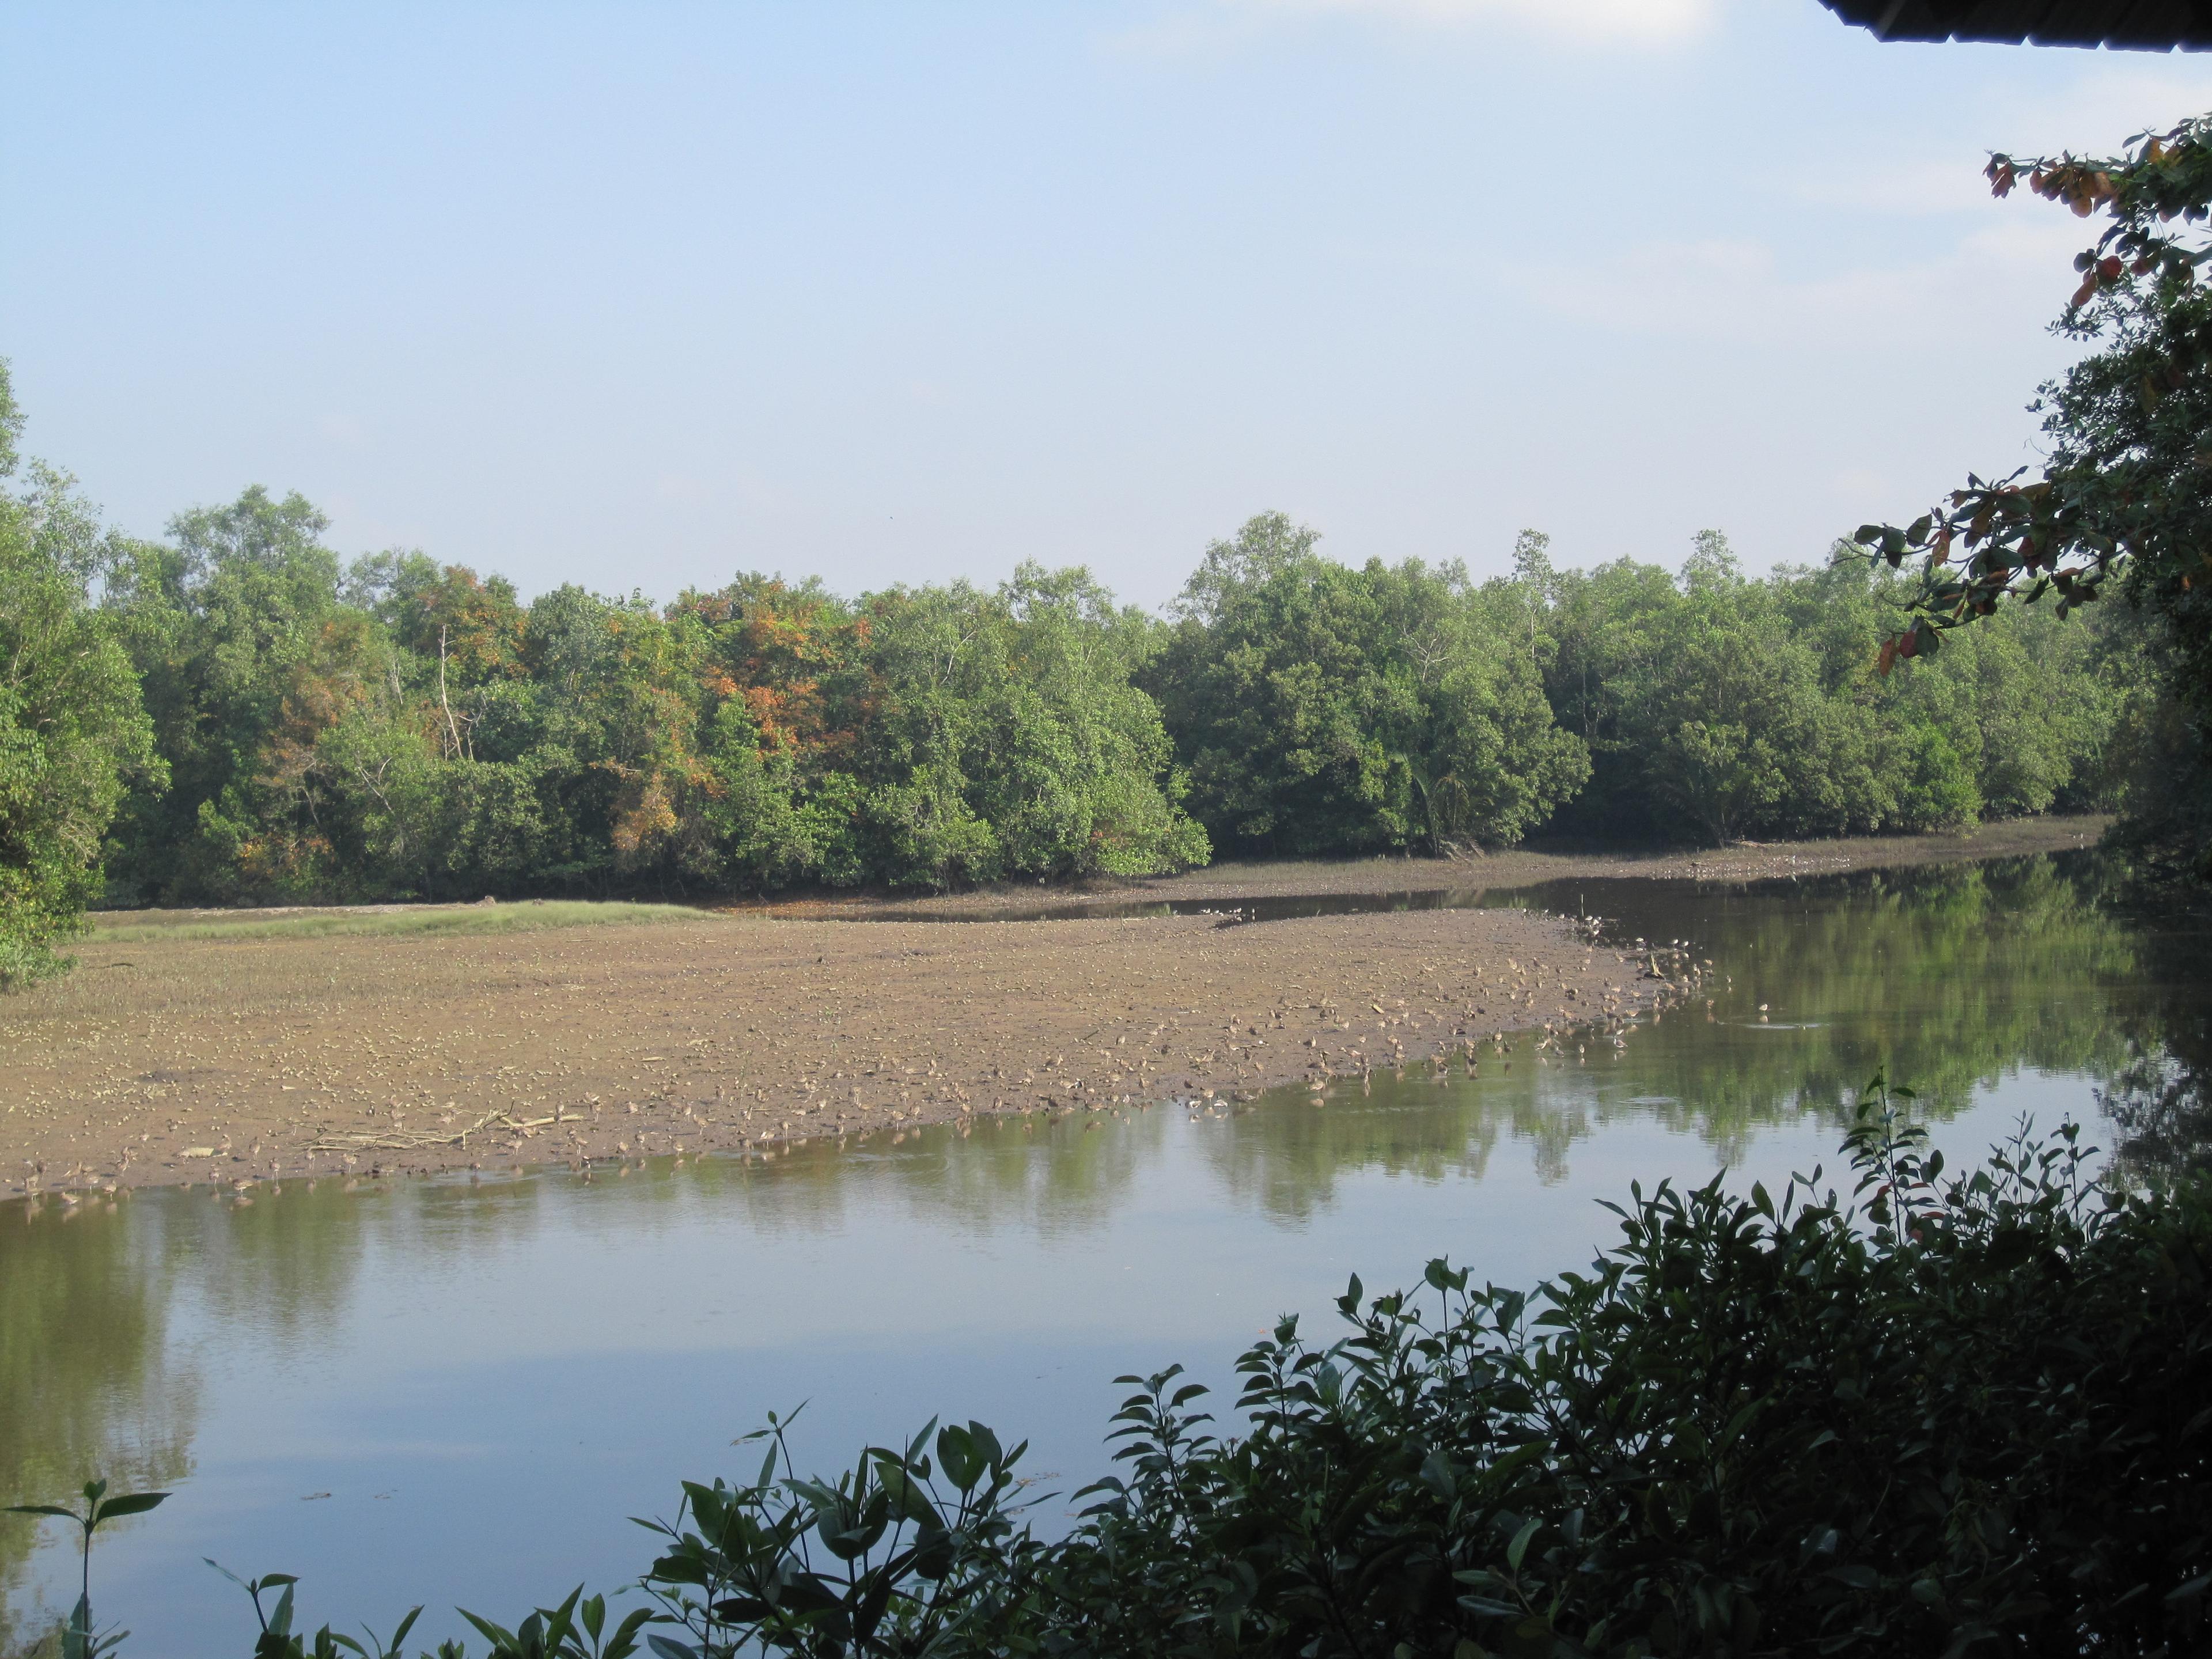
86	1379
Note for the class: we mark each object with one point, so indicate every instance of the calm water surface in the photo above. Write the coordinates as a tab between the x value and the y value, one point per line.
440	1391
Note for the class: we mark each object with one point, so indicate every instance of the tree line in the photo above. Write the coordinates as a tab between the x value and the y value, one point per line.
1326	710
236	713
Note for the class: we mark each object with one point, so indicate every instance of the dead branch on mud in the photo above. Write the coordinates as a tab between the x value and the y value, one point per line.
414	1140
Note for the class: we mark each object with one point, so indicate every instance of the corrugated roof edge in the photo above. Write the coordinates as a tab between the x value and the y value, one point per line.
2128	26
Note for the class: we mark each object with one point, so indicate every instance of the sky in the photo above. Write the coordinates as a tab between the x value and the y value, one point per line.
643	295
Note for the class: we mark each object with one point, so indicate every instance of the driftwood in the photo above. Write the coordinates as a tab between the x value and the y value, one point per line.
414	1140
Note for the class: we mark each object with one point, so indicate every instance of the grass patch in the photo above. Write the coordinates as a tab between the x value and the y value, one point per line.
378	921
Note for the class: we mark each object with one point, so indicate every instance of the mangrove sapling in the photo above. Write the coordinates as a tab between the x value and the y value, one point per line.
277	1640
910	1569
574	1630
78	1640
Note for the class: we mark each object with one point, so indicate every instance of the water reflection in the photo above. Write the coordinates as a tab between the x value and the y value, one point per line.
336	1375
86	1376
1950	977
2158	1099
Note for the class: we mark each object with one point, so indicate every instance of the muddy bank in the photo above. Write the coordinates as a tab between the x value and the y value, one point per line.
1226	883
166	1060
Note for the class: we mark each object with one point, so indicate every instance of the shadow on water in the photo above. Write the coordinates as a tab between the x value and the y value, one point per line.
330	1374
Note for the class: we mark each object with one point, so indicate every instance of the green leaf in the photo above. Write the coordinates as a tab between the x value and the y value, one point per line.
280	1622
137	1502
233	1576
1519	1546
913	1447
500	1636
1436	1473
1489	1605
956	1455
624	1640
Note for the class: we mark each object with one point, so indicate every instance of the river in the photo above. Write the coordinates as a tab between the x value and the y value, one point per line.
453	1391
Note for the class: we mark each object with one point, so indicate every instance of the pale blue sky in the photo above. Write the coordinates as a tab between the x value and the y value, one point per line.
643	295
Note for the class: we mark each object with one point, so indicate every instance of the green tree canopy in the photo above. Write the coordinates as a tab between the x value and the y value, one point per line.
1324	710
72	731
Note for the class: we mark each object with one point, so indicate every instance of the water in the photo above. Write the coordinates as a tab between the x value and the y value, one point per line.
440	1392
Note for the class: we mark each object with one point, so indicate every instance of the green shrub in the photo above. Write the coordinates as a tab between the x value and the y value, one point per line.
1971	1415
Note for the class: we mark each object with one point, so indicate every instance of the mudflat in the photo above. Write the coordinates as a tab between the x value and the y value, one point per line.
242	1046
243	1059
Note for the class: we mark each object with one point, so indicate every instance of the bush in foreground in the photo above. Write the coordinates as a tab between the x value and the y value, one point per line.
1948	1416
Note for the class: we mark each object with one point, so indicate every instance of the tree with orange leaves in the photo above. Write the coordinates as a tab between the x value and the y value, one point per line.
2125	496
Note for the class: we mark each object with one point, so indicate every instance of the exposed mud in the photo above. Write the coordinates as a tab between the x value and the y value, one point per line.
241	1060
234	1059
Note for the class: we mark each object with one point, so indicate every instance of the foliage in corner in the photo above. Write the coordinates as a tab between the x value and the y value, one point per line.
1969	1412
2126	494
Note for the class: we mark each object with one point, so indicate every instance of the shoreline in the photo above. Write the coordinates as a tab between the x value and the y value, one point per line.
237	1062
1516	867
242	1059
